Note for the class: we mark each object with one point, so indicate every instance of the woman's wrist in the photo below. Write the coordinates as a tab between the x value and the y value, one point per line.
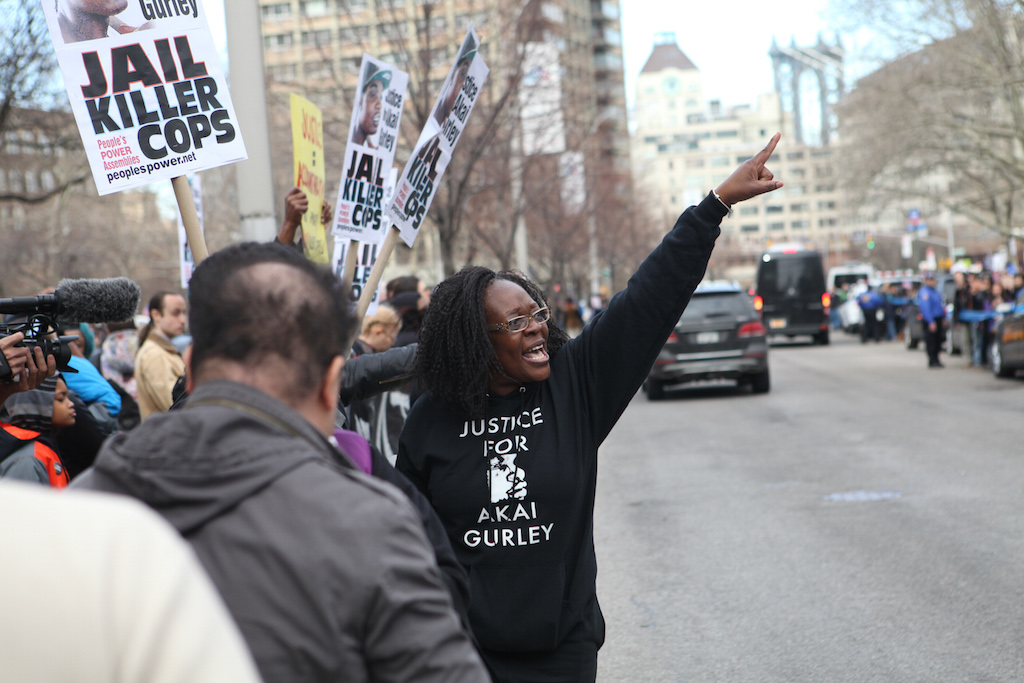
724	203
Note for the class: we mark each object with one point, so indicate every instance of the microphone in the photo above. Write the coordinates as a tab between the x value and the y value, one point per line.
81	301
97	301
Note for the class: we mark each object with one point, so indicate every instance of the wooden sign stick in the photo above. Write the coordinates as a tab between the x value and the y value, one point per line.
190	219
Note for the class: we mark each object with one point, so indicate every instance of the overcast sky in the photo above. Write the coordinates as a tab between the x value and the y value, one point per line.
728	42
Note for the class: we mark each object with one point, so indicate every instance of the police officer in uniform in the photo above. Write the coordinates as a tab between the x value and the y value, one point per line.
933	318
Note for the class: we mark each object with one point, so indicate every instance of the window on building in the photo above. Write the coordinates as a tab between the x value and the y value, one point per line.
824	188
319	69
671	165
826	222
13	142
794	156
694	163
826	205
31	182
796	173
354	5
463	21
748	210
774	208
354	35
740	160
278	41
823	172
798	208
800	225
316	38
732	133
776	226
750	227
44	143
313	8
282	73
28	143
277	11
721	161
16	180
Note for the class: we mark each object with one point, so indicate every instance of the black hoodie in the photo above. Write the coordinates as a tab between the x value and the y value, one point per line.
516	489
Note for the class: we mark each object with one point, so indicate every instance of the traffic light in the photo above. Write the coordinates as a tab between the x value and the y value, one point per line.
871	242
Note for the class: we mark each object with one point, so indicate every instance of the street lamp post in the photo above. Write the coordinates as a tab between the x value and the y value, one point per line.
595	279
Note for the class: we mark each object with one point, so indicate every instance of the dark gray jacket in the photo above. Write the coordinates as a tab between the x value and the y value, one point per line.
326	570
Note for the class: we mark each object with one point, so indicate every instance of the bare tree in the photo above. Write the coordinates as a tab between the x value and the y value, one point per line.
944	121
29	79
53	224
491	186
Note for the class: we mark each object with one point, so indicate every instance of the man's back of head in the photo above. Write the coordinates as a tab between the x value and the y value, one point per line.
270	313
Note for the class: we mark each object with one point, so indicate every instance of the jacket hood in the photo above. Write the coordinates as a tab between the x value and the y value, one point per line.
228	442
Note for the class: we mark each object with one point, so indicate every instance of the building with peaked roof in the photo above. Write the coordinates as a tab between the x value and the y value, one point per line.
684	146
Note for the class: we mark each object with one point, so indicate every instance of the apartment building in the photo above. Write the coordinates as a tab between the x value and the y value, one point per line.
315	46
685	145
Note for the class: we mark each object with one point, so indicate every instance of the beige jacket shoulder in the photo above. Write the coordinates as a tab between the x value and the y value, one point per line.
158	365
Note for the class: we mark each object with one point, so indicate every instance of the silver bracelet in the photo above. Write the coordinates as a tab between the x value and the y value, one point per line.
722	202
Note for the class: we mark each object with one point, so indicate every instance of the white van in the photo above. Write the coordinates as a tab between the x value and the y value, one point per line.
849	274
855	276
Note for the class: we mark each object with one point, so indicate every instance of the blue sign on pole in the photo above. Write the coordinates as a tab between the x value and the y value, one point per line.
914	222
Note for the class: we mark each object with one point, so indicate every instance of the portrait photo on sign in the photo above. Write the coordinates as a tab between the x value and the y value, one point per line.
81	20
456	78
369	106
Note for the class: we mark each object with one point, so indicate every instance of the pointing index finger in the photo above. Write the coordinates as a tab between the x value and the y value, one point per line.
770	147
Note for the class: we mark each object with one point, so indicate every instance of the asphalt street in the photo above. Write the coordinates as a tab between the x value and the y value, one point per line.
863	521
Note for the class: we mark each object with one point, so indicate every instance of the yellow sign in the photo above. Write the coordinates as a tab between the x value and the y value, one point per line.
308	151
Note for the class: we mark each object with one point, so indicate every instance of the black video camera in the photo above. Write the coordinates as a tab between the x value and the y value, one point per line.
39	318
42	330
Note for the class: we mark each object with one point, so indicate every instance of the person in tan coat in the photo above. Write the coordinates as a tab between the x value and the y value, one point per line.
158	365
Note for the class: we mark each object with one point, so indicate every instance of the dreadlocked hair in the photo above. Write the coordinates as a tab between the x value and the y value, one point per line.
455	358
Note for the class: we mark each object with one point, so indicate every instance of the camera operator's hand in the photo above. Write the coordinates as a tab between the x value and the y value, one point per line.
17	356
28	365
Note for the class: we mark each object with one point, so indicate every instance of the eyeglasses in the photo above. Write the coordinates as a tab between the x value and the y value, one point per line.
519	323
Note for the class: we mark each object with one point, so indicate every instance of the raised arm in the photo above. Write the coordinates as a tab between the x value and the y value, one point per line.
616	350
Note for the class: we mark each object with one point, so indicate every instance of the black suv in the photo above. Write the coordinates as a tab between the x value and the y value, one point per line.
719	336
791	295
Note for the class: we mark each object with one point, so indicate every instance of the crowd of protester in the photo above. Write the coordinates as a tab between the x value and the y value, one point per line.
255	434
975	308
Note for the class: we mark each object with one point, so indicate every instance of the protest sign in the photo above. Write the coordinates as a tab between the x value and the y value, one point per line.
185	256
370	152
364	254
146	88
308	153
415	189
